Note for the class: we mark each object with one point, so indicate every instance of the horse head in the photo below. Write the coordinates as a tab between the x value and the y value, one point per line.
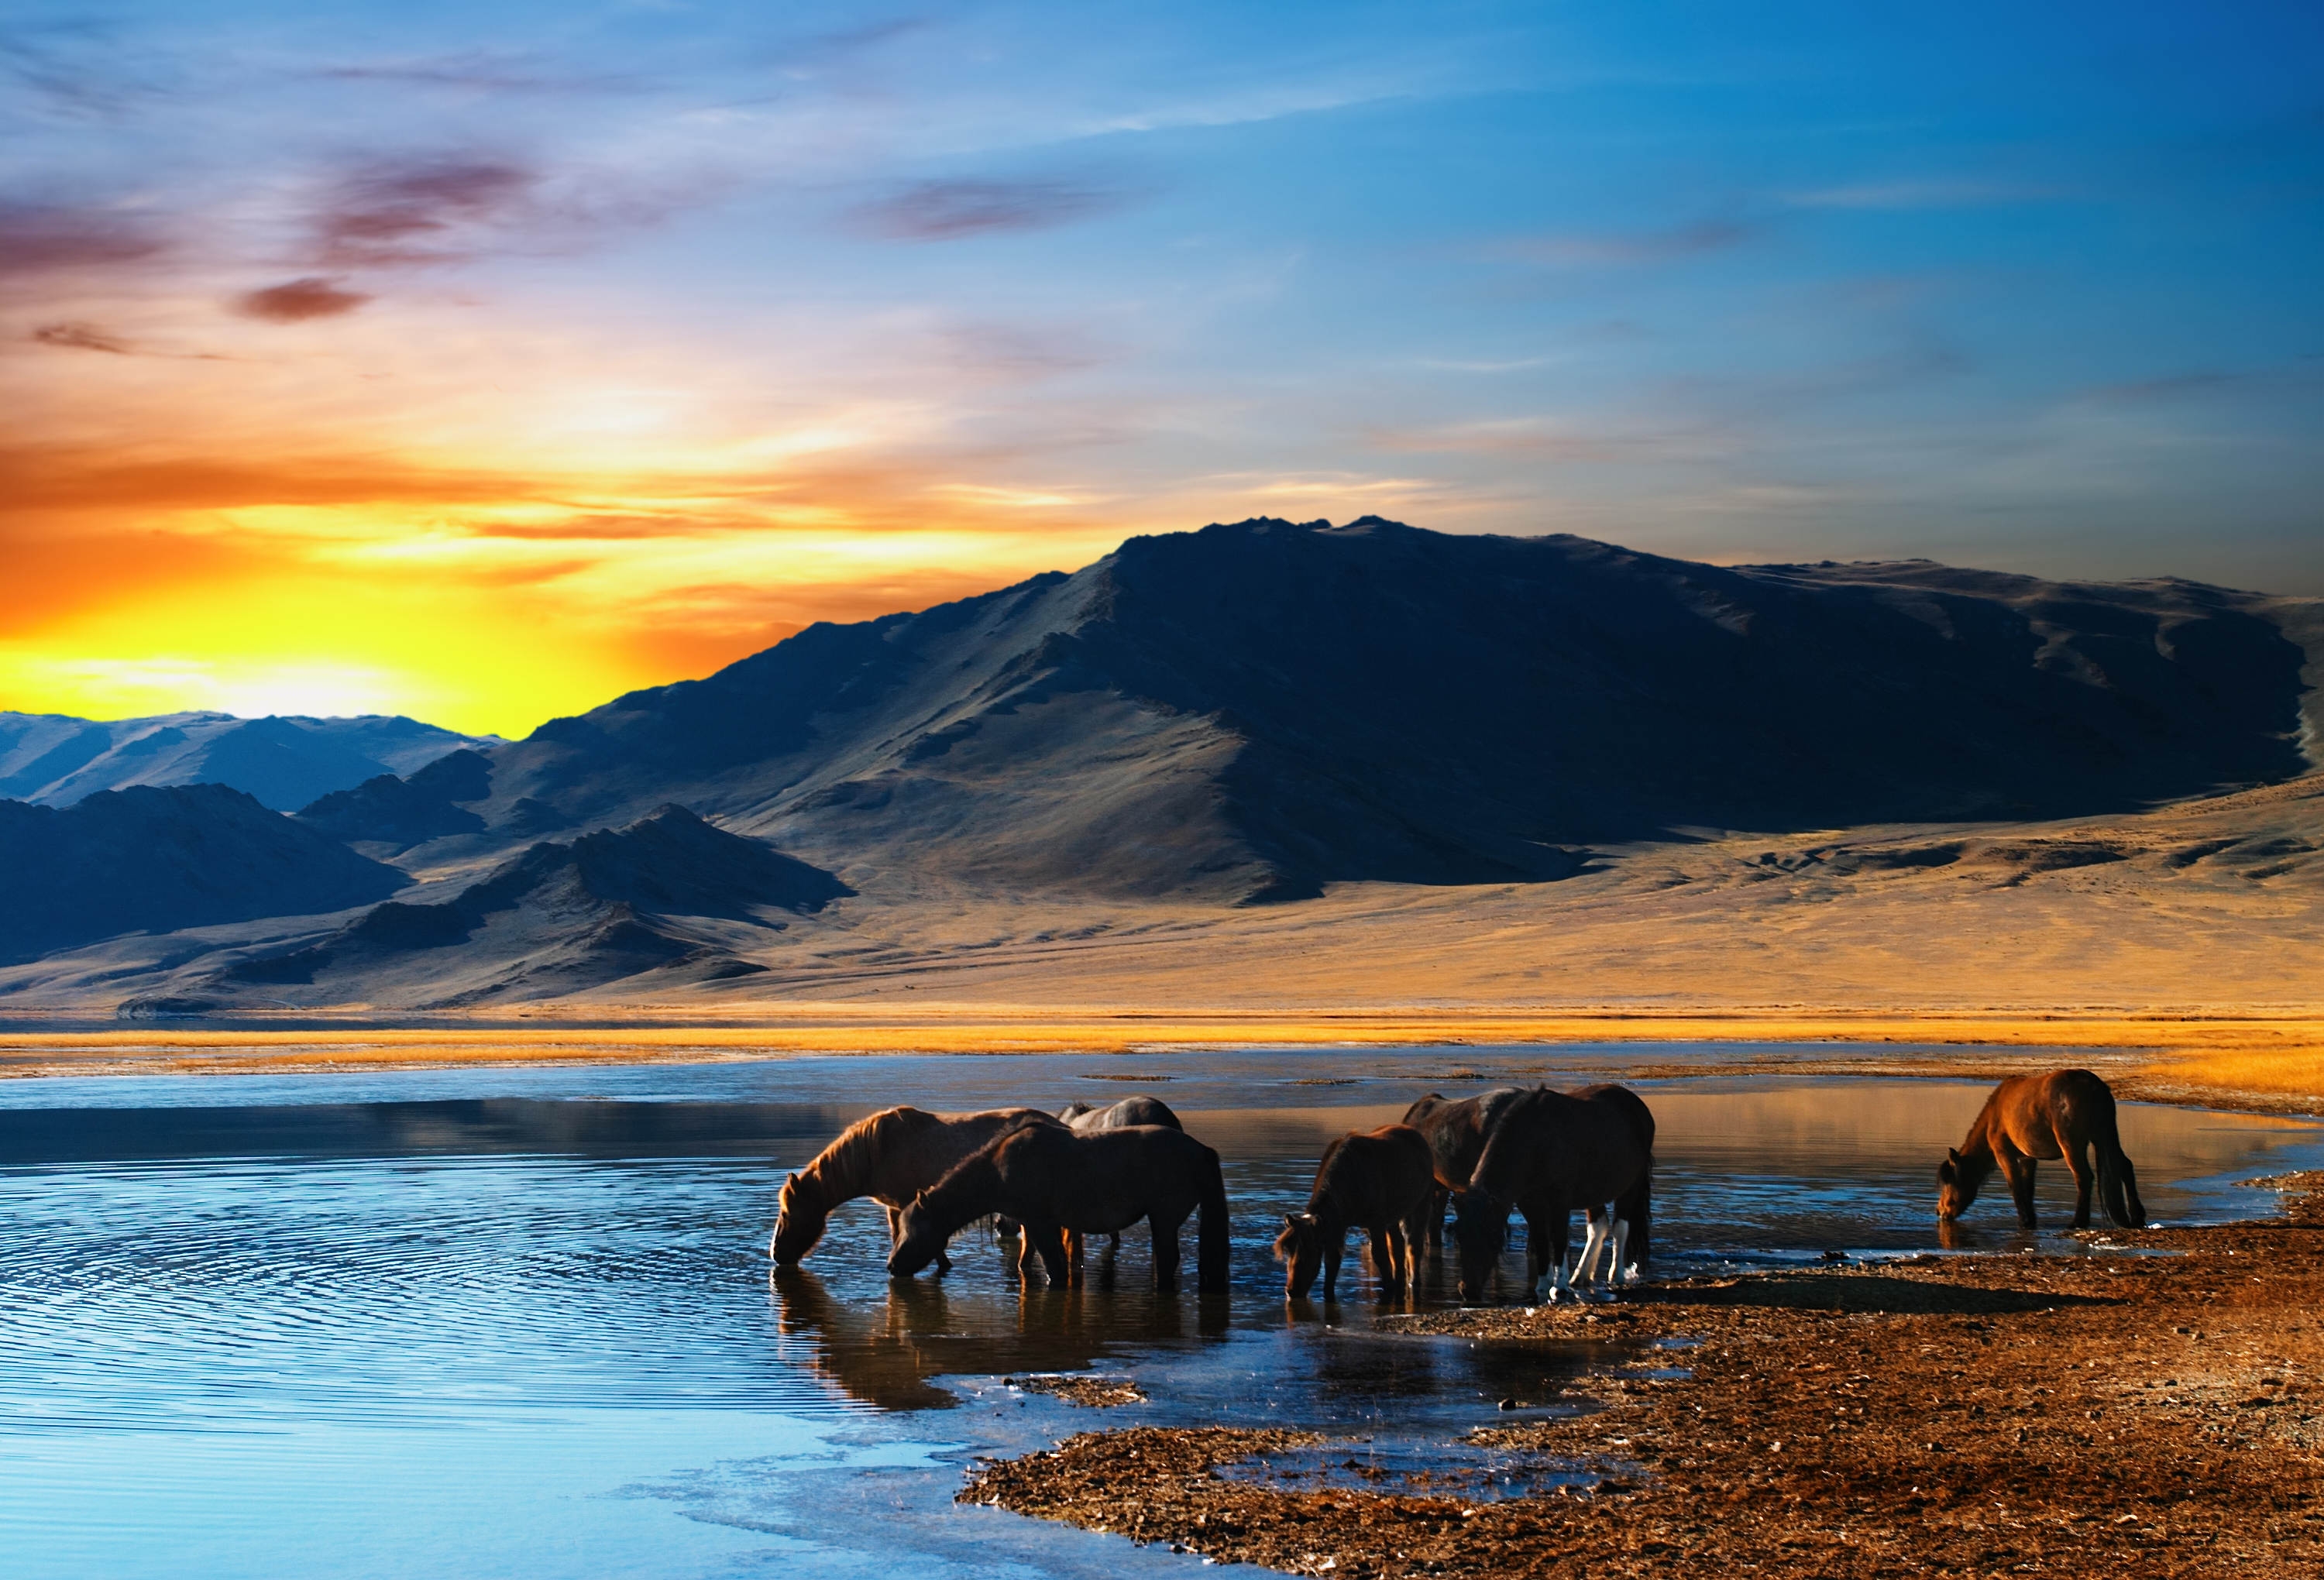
1956	1184
1481	1227
917	1240
1300	1247
799	1217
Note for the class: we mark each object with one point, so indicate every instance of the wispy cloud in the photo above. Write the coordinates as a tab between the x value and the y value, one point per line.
1940	192
478	71
952	210
423	211
1616	249
75	335
295	301
47	238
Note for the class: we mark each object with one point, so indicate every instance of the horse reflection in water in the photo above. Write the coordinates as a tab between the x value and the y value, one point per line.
885	1354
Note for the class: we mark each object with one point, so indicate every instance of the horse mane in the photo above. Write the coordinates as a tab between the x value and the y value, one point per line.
856	1150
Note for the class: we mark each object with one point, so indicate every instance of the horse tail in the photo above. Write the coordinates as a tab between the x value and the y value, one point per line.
1636	1209
1211	1246
2118	1181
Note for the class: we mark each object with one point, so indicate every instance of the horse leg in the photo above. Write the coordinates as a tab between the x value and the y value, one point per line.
2020	1170
1073	1256
1049	1242
1385	1264
1622	1273
1438	1196
1594	1241
1546	1253
2077	1163
1331	1248
1166	1256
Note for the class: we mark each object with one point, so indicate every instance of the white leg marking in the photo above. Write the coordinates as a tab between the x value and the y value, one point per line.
1623	1271
1591	1244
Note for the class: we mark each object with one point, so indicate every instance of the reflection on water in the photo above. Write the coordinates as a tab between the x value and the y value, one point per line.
521	1322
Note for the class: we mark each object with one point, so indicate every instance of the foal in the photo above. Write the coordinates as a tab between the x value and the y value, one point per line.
1383	1183
2031	1117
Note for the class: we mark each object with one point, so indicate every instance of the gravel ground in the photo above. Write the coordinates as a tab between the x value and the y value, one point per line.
2157	1414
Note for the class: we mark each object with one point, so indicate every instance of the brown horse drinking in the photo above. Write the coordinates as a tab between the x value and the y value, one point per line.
892	1157
1052	1179
2067	1113
1549	1152
1383	1183
1456	1138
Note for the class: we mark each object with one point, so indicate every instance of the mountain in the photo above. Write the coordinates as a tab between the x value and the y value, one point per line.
161	859
402	812
1249	712
560	918
52	761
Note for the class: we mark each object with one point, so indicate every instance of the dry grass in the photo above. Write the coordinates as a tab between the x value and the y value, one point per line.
2264	1059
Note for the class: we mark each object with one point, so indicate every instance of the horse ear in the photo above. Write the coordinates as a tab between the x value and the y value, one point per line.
1946	1173
1290	1220
1952	1155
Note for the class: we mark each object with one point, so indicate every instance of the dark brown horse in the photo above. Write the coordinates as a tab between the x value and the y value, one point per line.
1382	1181
1456	1137
1052	1179
1547	1154
2067	1113
892	1157
1087	1117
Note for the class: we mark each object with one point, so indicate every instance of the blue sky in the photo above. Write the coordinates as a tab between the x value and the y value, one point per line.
658	329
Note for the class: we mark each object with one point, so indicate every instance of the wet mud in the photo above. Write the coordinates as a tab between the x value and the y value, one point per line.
2148	1407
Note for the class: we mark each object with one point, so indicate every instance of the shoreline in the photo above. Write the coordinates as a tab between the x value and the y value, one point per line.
2261	1061
1973	1414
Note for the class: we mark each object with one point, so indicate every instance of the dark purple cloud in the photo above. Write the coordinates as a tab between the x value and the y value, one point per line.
949	210
295	301
42	238
72	334
402	215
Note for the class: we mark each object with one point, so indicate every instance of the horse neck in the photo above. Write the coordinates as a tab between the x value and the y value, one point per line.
1977	1156
1499	1163
966	1192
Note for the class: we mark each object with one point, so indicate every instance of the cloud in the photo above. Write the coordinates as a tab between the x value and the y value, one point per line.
495	73
295	301
400	215
1940	193
38	238
75	335
950	210
1616	249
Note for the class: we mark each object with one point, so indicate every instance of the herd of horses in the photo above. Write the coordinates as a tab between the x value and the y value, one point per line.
1051	1181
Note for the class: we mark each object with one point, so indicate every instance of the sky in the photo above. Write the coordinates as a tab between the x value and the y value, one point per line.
483	362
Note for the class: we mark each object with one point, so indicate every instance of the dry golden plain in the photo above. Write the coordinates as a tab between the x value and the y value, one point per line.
2180	949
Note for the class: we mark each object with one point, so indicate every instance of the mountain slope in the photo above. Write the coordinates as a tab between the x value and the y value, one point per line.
54	761
558	918
160	860
1252	710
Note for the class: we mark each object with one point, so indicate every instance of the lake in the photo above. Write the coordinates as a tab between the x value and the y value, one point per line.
519	1321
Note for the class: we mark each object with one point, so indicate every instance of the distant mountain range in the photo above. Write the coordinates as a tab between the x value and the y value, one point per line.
1250	712
1247	714
158	860
53	760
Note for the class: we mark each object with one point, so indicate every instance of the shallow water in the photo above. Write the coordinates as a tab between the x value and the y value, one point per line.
519	1321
